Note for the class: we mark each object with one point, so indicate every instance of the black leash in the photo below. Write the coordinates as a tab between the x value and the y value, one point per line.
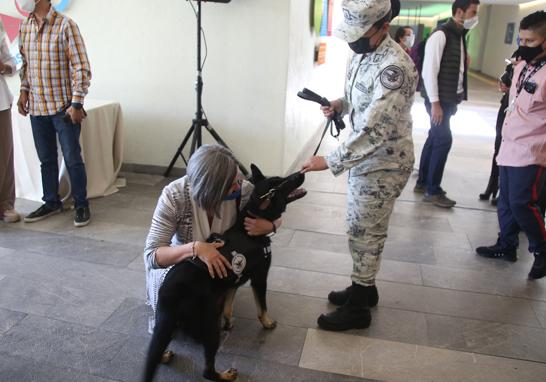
338	124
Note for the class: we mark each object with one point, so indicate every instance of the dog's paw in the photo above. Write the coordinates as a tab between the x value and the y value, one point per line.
229	375
167	356
228	324
267	322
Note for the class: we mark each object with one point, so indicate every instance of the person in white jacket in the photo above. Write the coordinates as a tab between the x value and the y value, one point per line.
7	176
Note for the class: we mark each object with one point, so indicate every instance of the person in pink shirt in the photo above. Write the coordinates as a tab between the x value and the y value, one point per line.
522	155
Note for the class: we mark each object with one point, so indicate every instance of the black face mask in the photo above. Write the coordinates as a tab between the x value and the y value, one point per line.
527	53
362	45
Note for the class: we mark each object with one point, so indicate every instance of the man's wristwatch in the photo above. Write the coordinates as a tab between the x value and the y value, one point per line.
77	105
274	232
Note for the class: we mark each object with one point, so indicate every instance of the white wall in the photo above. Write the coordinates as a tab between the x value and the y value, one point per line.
143	55
495	49
477	38
303	118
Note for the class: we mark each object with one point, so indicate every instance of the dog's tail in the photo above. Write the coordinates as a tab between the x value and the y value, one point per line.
163	331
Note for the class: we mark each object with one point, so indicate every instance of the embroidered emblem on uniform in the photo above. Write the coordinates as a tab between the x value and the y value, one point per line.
360	86
392	77
238	263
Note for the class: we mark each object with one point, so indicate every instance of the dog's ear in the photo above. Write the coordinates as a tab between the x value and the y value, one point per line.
256	174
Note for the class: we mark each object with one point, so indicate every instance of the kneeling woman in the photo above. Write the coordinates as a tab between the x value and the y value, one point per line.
189	210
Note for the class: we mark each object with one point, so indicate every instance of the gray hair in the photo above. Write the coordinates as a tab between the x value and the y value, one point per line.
211	171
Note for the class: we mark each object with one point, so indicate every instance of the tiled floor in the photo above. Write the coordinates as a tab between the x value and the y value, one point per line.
72	300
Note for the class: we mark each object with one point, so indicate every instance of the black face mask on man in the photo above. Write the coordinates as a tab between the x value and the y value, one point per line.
362	45
527	53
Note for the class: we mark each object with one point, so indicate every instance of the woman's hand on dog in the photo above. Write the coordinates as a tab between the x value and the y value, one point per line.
216	263
257	226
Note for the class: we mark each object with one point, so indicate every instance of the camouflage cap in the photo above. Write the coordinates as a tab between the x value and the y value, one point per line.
359	16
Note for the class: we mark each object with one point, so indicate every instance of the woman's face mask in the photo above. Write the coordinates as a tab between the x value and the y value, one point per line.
409	41
28	5
362	45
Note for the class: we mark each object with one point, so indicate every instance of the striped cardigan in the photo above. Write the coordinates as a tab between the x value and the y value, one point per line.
172	225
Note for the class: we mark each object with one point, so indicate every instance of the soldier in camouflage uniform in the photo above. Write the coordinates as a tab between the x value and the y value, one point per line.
378	154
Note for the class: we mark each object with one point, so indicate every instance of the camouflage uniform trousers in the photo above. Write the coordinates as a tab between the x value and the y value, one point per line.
370	201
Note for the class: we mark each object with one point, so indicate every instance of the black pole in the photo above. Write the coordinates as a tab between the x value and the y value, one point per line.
199	121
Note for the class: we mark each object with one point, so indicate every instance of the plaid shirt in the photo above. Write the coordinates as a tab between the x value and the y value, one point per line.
56	70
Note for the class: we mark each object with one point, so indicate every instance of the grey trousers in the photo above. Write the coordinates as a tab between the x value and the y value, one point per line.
371	200
7	177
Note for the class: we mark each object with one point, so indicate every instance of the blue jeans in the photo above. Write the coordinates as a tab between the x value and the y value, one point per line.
435	151
520	189
44	130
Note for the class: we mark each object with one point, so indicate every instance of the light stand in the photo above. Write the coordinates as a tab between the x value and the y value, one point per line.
199	122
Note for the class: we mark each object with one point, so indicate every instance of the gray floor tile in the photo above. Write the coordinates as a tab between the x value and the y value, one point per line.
413	235
54	300
396	361
270	371
304	283
325	199
426	223
62	344
249	339
71	247
489	338
283	237
457	304
130	318
342	264
28	370
8	319
502	283
287	309
540	310
97	278
320	241
414	252
316	218
6	251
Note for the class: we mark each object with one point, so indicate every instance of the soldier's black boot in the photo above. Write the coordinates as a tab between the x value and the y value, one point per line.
538	270
354	314
340	297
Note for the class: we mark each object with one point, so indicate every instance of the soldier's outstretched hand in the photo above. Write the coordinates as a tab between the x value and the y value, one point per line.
316	163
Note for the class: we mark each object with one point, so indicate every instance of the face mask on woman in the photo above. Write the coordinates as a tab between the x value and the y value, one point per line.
27	5
409	40
362	45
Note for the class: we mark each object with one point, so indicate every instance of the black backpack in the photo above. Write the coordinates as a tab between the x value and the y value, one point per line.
418	56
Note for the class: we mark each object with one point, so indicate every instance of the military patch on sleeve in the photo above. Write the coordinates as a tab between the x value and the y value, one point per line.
392	77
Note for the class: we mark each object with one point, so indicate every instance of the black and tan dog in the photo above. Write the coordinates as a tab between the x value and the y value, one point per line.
191	300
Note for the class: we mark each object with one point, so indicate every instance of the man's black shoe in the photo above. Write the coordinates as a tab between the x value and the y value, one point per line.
354	314
538	270
41	213
498	252
340	297
83	215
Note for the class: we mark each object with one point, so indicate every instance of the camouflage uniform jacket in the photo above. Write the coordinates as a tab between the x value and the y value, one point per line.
379	93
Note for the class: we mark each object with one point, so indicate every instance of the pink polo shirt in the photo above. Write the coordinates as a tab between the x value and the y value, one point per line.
524	130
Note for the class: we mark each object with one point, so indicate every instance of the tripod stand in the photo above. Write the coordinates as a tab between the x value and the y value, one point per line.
200	121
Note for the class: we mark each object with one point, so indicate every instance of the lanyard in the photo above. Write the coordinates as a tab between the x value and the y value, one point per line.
522	80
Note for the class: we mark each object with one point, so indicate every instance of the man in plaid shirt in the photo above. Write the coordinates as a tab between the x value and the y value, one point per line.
55	78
